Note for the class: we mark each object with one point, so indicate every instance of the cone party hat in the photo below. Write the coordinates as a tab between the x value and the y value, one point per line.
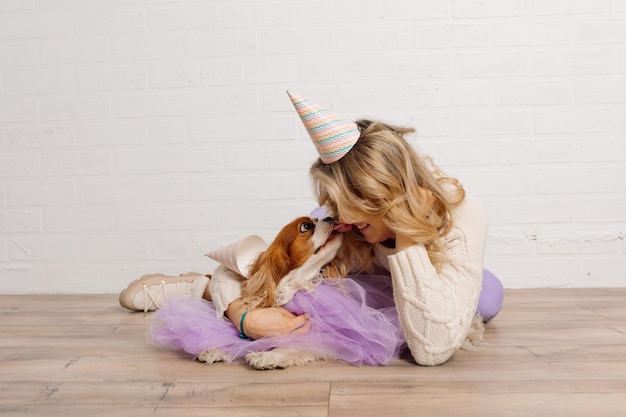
240	255
332	135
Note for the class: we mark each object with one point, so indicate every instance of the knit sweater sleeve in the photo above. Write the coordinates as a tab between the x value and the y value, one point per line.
436	307
225	287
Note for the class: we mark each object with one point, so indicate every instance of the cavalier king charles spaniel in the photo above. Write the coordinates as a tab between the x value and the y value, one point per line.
300	254
298	258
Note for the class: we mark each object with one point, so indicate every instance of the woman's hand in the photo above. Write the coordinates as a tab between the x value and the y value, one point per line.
262	322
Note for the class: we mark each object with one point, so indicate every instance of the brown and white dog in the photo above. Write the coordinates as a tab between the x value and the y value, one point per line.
300	255
301	252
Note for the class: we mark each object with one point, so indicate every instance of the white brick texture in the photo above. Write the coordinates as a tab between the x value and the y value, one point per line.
135	136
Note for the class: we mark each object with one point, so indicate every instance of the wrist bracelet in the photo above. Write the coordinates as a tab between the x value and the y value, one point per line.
242	335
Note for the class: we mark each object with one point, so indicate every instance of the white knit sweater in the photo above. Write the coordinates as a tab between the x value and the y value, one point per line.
436	308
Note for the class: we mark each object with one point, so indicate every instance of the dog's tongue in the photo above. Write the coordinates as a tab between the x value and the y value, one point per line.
341	227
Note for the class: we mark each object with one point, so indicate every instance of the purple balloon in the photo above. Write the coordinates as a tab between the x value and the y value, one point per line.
491	296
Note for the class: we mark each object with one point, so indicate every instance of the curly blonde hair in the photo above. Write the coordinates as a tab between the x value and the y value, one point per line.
383	176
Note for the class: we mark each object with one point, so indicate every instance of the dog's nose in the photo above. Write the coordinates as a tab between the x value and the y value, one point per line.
329	220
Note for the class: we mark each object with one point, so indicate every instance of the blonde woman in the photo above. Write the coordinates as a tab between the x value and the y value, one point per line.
409	221
416	223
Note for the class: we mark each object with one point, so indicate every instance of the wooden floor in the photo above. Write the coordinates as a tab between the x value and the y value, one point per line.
558	352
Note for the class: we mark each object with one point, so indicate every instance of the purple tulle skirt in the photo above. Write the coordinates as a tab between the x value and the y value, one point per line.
354	320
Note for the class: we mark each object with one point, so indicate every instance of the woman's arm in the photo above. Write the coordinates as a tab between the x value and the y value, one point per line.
262	322
437	307
225	286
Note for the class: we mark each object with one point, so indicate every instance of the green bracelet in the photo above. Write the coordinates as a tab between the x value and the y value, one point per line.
242	335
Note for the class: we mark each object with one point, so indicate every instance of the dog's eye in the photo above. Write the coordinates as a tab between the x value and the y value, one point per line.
306	226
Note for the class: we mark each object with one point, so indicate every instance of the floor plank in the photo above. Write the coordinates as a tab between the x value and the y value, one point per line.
550	352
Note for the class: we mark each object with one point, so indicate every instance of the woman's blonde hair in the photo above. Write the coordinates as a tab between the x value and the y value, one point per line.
382	176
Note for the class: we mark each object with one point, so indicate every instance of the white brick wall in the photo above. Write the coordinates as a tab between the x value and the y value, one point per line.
134	136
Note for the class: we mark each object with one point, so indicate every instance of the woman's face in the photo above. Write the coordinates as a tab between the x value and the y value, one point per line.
373	229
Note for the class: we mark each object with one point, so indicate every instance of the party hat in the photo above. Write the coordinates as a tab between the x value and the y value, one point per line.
320	213
332	135
240	255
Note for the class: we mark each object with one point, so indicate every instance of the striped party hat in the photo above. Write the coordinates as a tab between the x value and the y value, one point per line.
333	136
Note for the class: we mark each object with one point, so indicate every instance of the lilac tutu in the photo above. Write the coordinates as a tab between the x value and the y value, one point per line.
354	320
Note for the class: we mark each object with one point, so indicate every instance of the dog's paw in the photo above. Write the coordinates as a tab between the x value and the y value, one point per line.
212	356
280	358
261	360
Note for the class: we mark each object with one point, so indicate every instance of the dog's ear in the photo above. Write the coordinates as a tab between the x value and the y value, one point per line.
272	265
331	271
